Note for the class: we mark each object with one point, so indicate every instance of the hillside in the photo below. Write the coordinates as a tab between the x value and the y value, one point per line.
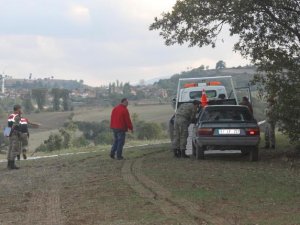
241	77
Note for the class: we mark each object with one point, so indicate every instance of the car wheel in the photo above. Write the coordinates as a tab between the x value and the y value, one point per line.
254	154
199	152
245	152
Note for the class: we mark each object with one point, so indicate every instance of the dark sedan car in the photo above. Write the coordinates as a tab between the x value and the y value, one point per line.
226	127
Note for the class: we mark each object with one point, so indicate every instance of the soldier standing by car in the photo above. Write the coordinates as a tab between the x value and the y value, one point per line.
270	125
184	116
14	137
245	101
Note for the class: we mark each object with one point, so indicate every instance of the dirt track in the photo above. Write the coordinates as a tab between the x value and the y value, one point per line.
185	212
94	189
45	185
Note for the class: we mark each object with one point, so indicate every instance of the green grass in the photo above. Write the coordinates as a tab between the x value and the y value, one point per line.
92	188
157	113
232	187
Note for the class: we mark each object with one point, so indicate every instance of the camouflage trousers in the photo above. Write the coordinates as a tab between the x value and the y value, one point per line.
24	142
180	133
14	147
270	134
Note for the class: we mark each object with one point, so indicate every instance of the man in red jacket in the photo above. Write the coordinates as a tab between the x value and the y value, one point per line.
120	123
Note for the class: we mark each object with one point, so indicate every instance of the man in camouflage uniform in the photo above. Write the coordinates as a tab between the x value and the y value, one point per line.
185	114
14	137
24	135
270	126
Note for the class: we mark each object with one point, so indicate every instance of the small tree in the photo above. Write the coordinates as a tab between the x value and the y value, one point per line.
220	65
39	95
65	94
27	104
56	94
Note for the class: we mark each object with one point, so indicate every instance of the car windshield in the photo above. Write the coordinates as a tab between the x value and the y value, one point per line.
197	94
226	114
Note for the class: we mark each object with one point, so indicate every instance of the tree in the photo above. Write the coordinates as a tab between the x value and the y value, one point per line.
56	94
65	94
39	95
127	90
202	67
269	35
220	65
27	104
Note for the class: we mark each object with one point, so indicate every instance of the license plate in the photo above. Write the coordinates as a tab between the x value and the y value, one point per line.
229	131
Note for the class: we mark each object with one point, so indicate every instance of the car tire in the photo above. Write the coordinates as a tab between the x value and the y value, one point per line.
200	152
244	152
254	154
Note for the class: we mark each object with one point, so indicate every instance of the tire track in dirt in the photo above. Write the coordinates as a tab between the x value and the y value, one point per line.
169	209
44	205
132	173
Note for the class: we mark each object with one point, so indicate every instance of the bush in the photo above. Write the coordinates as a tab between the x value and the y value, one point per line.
80	142
91	129
103	138
148	130
54	142
42	148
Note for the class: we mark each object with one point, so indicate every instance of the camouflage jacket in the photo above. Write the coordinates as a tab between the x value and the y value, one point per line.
187	111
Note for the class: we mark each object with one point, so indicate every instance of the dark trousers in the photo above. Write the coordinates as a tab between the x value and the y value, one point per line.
119	141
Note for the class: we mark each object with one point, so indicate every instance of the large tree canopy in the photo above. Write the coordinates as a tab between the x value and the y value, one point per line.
269	35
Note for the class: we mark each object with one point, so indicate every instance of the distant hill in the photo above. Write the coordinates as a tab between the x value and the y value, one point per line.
43	83
241	77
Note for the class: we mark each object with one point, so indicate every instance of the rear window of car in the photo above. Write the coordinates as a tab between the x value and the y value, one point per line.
224	114
197	94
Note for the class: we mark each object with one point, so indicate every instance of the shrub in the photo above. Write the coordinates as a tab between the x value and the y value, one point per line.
54	142
103	138
148	130
80	142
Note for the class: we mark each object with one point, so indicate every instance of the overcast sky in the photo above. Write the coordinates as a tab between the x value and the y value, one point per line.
97	41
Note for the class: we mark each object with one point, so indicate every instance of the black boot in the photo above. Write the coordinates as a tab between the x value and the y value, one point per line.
176	153
183	155
18	157
24	155
13	165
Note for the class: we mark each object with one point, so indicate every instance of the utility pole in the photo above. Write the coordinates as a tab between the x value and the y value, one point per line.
3	77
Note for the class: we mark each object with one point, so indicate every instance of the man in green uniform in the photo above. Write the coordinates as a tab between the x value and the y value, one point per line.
24	135
184	116
14	137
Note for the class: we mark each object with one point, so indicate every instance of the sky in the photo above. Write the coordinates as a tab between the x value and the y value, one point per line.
97	41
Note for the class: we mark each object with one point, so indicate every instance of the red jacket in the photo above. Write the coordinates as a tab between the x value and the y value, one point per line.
120	118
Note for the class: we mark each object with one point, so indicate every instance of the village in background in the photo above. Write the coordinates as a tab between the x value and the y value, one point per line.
52	94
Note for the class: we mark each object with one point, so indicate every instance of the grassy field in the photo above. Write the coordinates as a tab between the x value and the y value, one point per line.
152	187
157	113
52	121
84	186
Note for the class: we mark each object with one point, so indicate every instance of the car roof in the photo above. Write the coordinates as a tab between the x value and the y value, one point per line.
225	106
